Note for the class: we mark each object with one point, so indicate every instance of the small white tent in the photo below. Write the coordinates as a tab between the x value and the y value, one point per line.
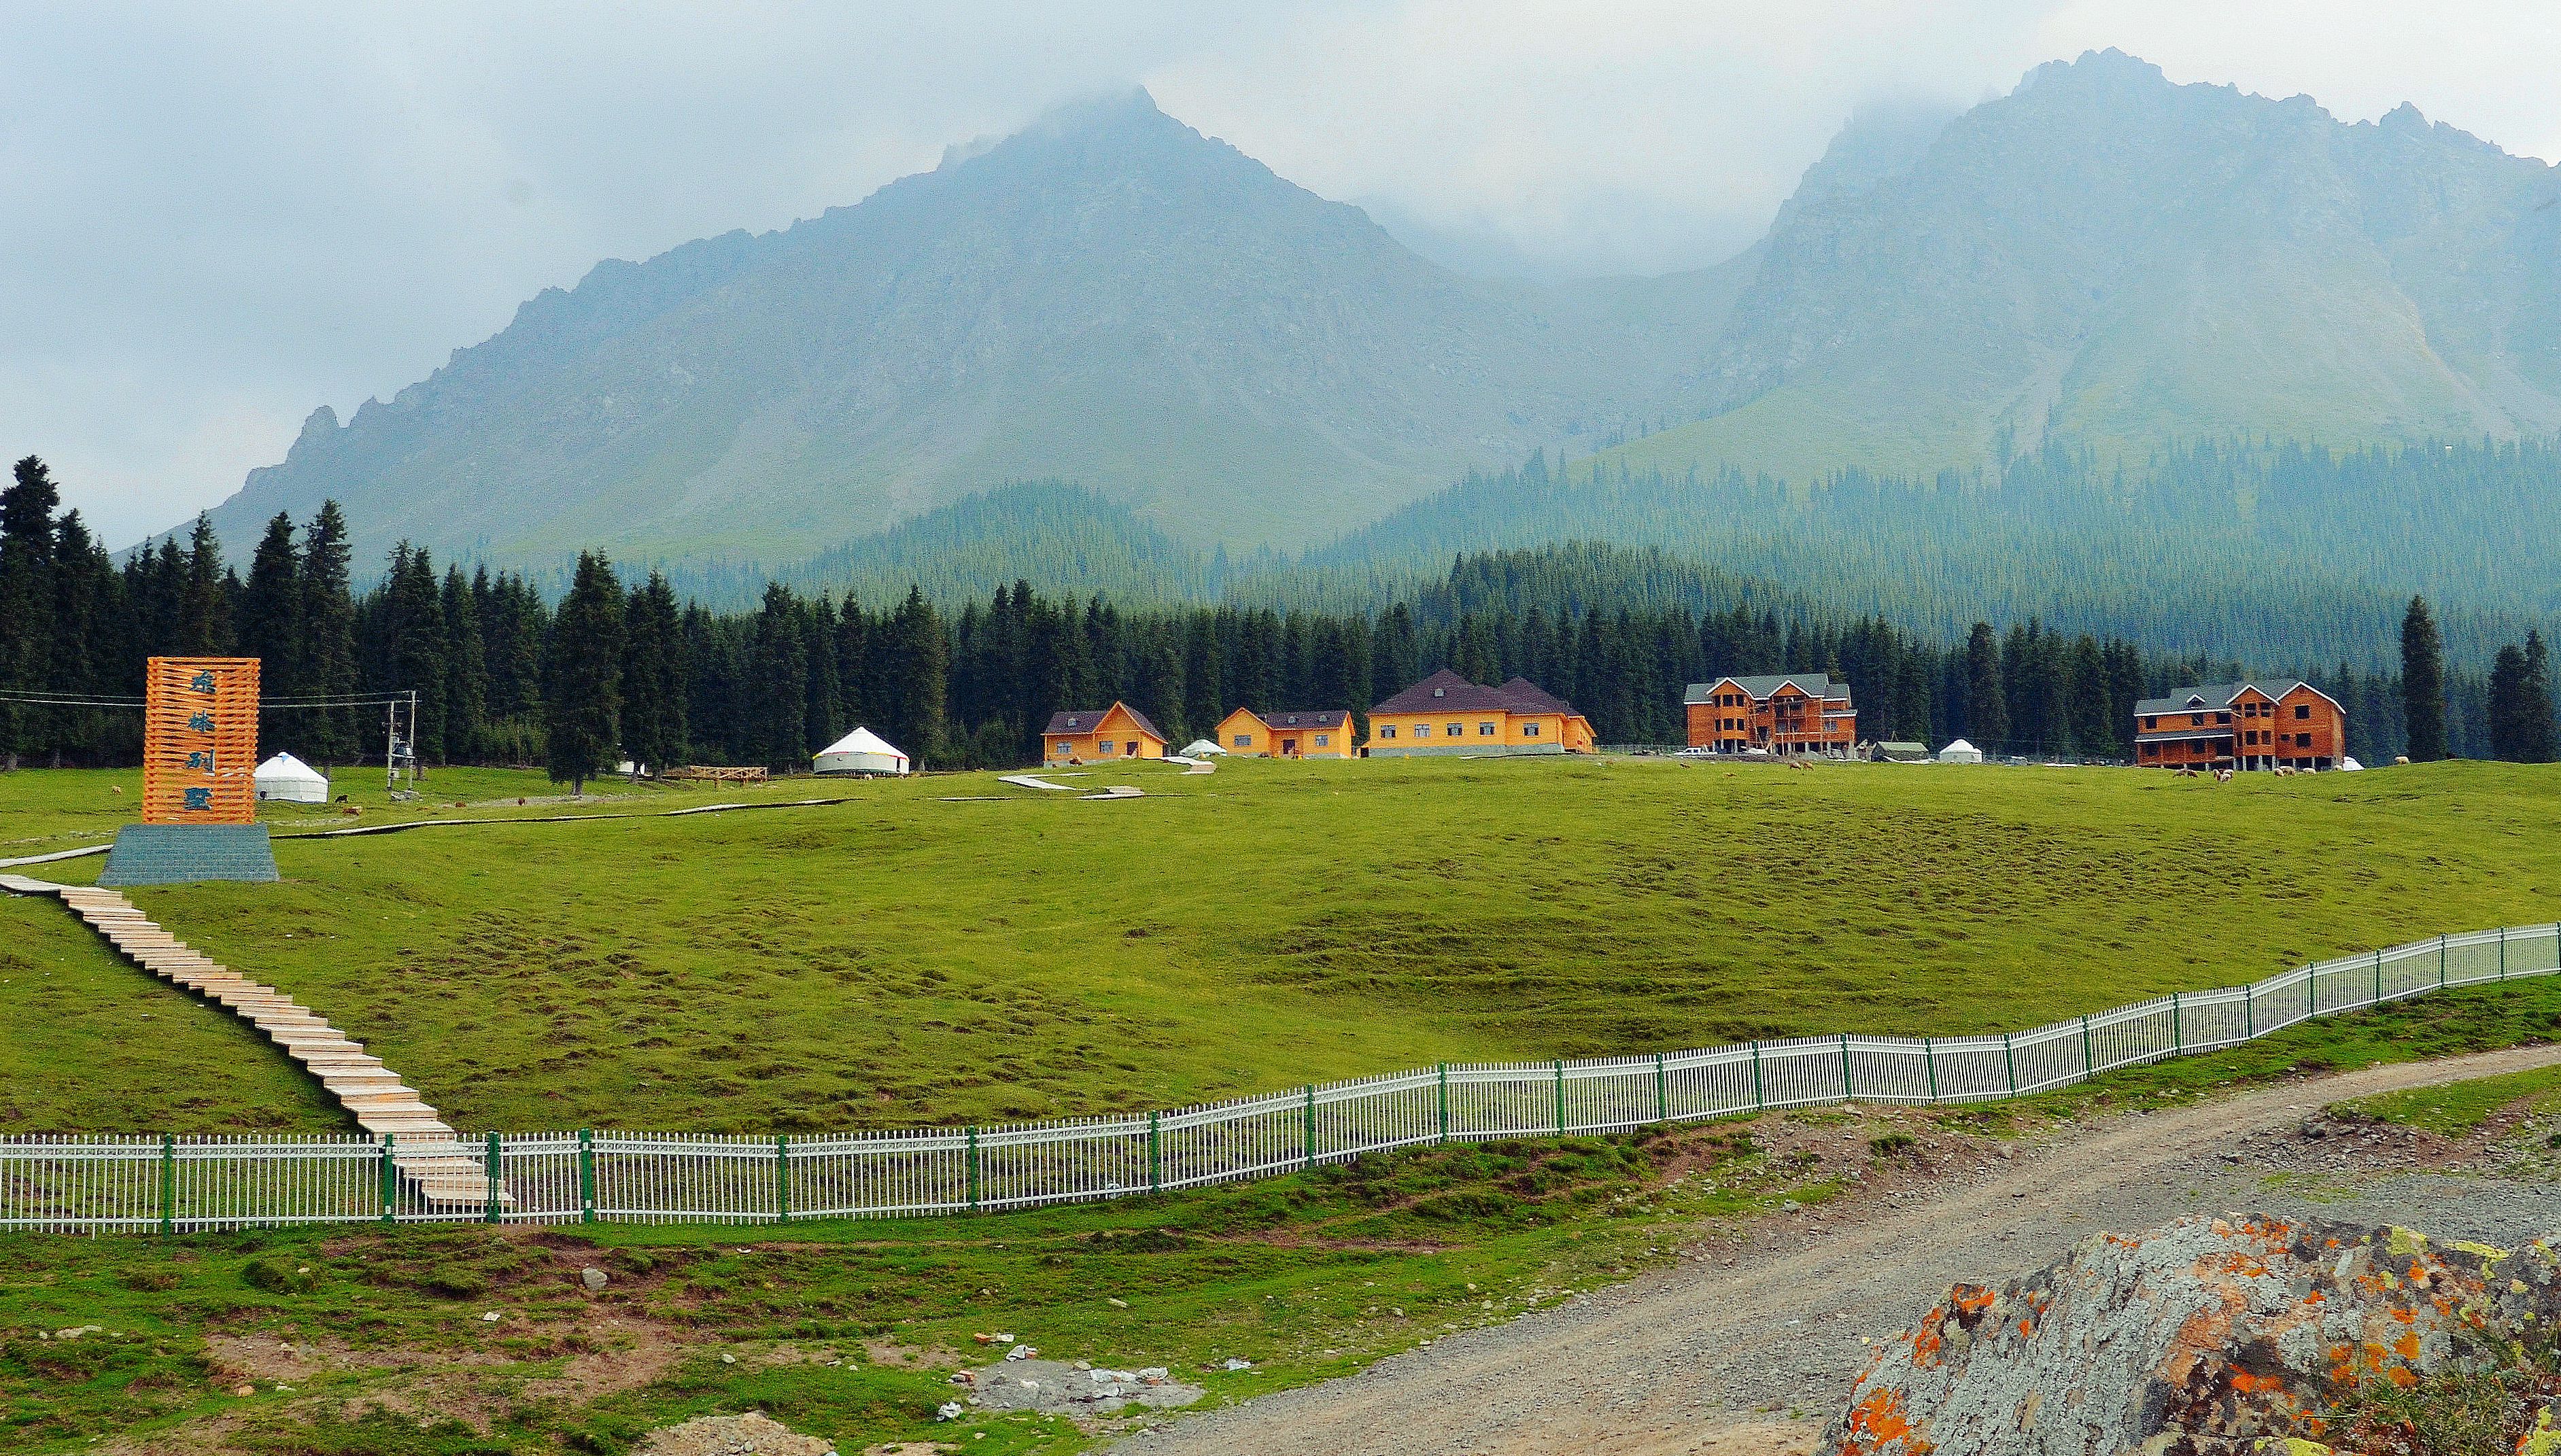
1202	748
861	751
1961	751
289	781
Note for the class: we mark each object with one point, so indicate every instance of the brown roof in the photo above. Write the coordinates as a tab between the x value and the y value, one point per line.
1298	718
1446	691
1063	724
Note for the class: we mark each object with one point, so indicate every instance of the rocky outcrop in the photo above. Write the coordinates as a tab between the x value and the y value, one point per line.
2206	1337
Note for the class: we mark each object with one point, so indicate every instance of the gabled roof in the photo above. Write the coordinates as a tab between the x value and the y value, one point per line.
1761	687
1298	718
1067	724
1446	691
2215	697
861	740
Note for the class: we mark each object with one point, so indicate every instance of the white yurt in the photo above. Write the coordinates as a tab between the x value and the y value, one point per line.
861	751
287	779
1202	748
1961	751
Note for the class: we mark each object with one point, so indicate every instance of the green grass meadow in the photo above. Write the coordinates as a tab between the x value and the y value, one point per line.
948	948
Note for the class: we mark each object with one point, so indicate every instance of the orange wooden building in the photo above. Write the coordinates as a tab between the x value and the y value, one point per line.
1117	731
1445	713
2243	725
1786	713
1306	733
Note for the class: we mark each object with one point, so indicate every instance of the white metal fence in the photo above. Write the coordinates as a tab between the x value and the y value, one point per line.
175	1184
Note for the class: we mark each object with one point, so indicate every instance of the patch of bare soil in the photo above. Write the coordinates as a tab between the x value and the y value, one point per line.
733	1435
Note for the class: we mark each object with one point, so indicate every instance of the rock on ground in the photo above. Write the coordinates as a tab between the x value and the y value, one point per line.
1055	1386
2200	1339
733	1435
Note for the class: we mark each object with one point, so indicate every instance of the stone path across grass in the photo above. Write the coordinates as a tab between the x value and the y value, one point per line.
429	1154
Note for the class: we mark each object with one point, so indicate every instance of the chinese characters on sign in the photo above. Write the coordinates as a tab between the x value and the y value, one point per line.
200	740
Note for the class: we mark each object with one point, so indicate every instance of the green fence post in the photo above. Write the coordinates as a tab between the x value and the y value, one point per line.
1759	1101
2010	1058
1663	1091
2089	1062
1155	1154
495	1185
1560	1096
1848	1095
1310	1160
1930	1062
2502	952
2311	988
782	1178
2378	977
2249	1014
391	1180
1444	1101
586	1175
2440	958
973	1170
168	1183
2177	1032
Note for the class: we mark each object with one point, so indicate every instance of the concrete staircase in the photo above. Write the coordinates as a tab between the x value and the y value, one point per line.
429	1155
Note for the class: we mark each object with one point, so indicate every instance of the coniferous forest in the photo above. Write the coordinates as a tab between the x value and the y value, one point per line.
625	668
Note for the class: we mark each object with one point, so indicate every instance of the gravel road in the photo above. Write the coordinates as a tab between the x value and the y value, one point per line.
1705	1360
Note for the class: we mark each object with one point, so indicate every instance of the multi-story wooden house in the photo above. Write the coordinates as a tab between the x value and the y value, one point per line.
1791	713
2244	726
1445	713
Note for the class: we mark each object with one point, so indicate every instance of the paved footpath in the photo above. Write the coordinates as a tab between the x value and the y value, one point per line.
1676	1363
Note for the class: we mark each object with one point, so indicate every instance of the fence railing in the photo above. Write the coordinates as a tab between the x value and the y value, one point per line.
176	1184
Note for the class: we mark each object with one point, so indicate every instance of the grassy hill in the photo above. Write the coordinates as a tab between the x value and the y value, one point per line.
949	949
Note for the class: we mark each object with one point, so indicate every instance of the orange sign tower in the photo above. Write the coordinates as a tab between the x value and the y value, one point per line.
200	740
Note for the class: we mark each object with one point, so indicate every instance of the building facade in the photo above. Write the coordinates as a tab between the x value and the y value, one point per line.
1445	713
2242	726
1794	712
1117	731
1306	733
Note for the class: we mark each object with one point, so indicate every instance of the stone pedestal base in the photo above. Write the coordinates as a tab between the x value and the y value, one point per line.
179	854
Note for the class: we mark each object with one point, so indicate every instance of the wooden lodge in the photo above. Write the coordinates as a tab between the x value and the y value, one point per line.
1117	731
2241	726
1786	714
1303	733
1445	715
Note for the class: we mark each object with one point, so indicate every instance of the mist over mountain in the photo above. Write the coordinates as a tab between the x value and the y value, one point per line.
1112	300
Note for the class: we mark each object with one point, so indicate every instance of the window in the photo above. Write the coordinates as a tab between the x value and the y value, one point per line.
1485	730
2302	740
2303	709
1244	741
1530	729
2152	751
1324	738
1422	730
2152	721
2223	718
1103	747
2196	719
1387	731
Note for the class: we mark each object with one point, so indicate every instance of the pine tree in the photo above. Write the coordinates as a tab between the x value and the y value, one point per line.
88	627
778	677
327	620
921	677
27	592
466	671
1986	702
583	694
2423	684
2537	739
654	697
271	621
205	626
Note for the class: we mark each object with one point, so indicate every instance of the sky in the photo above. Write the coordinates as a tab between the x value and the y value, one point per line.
214	219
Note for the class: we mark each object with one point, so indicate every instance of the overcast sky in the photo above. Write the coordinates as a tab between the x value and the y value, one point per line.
215	218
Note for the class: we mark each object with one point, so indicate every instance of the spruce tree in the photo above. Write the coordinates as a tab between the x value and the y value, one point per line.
778	677
26	594
2537	739
1986	702
328	633
466	672
2423	684
921	676
654	697
583	687
205	626
270	625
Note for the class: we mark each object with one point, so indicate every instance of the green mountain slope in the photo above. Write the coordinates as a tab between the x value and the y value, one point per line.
2105	257
1108	297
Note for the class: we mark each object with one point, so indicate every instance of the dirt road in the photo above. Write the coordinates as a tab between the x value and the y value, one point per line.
1690	1361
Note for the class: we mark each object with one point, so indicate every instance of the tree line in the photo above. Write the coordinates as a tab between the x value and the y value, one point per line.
620	670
